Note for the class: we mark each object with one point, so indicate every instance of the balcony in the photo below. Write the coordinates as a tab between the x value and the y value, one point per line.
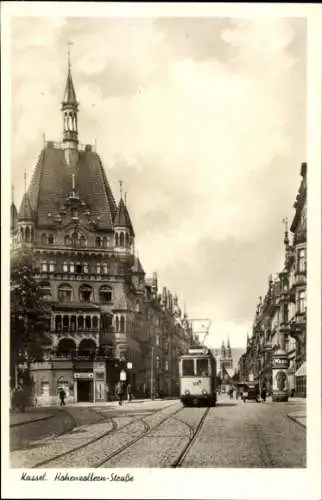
297	325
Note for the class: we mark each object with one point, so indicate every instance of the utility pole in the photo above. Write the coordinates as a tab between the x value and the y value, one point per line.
152	362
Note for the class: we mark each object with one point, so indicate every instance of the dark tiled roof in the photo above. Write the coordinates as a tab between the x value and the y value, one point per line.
25	212
69	94
51	185
122	217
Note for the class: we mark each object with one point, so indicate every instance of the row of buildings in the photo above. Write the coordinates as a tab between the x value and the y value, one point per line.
279	326
107	316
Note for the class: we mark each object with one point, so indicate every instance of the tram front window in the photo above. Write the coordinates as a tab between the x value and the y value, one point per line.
187	368
202	368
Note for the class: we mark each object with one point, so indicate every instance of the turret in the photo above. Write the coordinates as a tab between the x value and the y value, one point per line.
123	228
70	126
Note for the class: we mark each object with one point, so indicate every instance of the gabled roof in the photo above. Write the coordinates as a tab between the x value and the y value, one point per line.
51	184
25	212
69	94
122	217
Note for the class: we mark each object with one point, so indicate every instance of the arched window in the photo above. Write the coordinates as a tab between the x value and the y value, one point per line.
116	240
27	234
43	239
117	324
85	267
104	242
85	293
21	233
98	242
71	267
122	240
82	241
65	267
67	240
105	268
105	295
122	324
95	322
66	348
87	347
127	240
137	306
52	266
50	239
98	268
62	383
65	293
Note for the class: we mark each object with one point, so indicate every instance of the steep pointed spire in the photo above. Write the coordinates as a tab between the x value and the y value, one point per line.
25	212
228	348
69	94
70	110
122	217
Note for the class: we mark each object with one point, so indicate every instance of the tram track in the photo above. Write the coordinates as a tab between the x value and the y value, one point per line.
193	432
104	435
179	461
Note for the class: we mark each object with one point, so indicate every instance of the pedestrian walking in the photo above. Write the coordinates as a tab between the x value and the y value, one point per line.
120	392
244	394
129	393
62	395
263	393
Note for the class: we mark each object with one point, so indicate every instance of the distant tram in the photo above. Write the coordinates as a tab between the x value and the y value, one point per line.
197	372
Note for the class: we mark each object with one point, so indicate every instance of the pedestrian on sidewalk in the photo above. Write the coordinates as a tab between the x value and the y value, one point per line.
62	395
129	393
119	390
263	393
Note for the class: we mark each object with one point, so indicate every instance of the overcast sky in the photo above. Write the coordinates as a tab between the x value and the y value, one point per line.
202	119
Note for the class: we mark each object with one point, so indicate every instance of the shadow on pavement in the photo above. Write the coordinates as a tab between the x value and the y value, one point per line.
218	405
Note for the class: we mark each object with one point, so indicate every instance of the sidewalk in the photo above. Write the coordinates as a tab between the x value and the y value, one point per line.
299	417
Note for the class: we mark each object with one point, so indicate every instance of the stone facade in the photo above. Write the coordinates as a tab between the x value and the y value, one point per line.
105	312
280	319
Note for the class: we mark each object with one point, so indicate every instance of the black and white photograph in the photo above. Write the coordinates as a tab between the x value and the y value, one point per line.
158	267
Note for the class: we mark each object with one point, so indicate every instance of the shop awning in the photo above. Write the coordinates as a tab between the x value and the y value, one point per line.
301	372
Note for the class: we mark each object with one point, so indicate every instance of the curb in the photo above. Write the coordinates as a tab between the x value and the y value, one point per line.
31	421
295	419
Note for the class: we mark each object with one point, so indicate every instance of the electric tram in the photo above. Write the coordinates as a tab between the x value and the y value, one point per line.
197	372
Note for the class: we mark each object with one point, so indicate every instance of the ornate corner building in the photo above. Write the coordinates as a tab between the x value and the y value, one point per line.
280	318
105	312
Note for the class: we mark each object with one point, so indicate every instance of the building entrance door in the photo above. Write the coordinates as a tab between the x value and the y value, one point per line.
85	391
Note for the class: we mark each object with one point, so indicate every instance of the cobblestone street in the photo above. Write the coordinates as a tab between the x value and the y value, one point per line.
164	434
